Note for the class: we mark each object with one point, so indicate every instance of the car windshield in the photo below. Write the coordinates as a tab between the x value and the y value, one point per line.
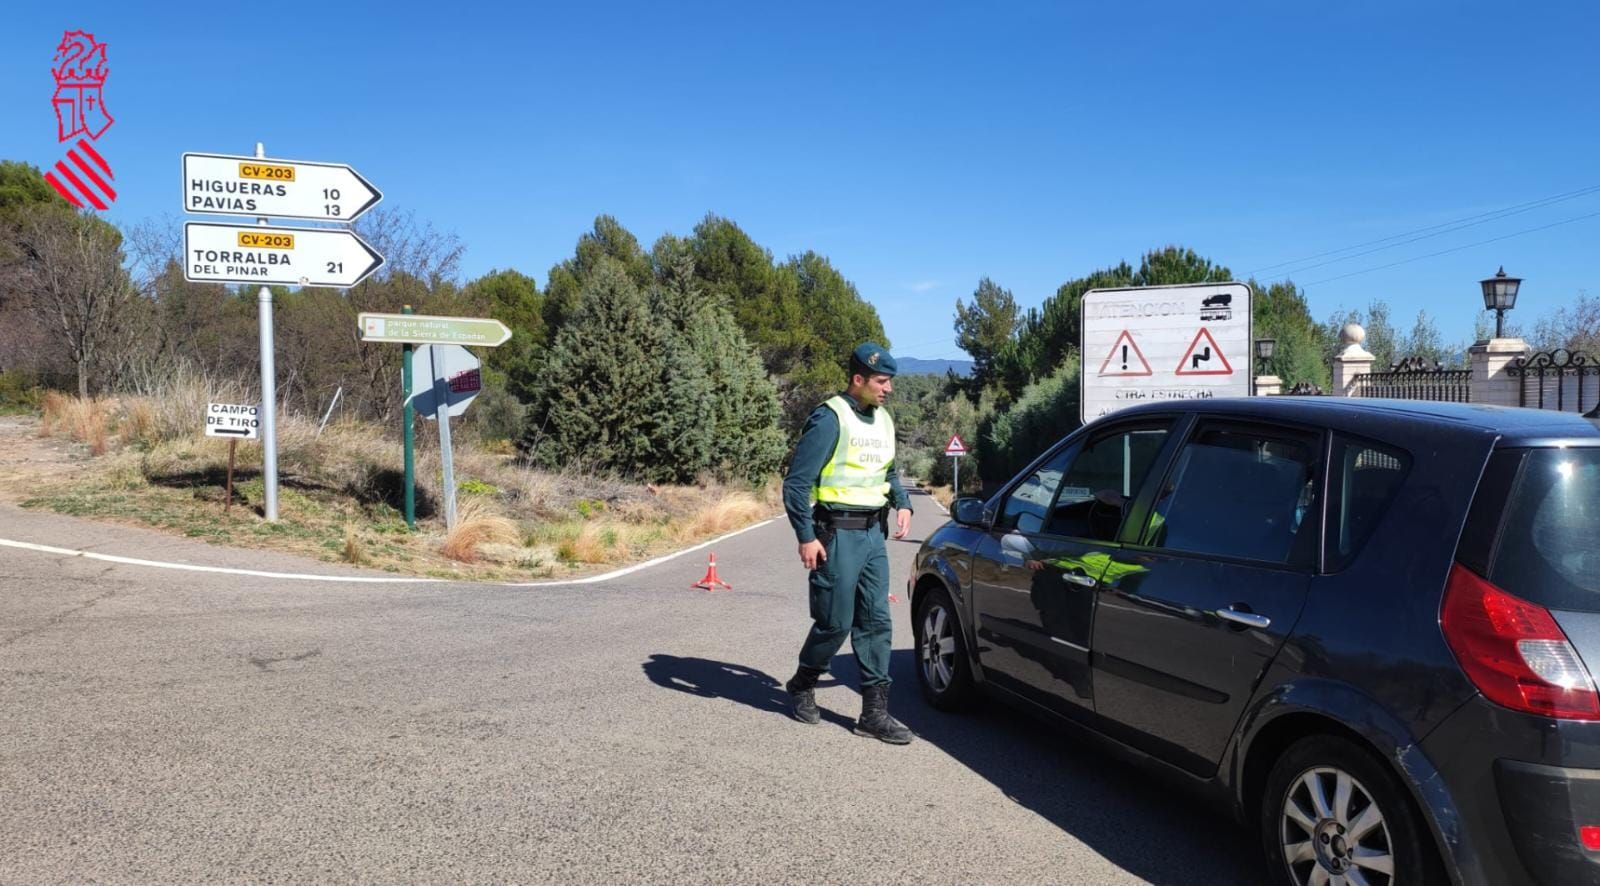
1549	550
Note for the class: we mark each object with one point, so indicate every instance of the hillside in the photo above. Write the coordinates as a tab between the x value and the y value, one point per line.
914	366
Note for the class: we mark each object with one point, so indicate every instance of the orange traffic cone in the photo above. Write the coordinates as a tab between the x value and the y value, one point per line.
711	581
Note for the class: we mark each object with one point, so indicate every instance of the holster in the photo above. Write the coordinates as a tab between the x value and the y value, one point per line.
822	517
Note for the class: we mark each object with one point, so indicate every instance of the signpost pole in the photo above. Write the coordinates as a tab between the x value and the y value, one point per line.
408	422
227	502
955	491
269	393
441	394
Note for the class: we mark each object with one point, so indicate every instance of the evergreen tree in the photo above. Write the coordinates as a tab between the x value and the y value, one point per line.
513	299
607	240
1281	314
603	400
984	329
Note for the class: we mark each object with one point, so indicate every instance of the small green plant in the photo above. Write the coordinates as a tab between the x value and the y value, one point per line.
478	487
589	507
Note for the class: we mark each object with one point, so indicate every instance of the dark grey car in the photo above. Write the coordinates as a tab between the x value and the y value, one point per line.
1367	627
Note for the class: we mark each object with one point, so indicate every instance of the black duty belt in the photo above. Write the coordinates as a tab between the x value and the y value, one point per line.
850	519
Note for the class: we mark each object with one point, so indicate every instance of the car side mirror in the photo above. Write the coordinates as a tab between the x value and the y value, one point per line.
968	512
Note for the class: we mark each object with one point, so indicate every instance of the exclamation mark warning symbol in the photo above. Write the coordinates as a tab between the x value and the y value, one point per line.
1125	351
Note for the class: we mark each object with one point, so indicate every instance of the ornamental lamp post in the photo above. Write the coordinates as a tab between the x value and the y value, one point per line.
1265	347
1500	295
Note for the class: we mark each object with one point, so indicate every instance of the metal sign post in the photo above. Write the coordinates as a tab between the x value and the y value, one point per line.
269	383
237	253
408	329
955	449
441	396
409	419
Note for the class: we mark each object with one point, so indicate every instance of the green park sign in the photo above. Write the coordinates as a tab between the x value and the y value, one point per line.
421	329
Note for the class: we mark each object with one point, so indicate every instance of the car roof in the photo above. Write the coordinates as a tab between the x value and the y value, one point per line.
1515	426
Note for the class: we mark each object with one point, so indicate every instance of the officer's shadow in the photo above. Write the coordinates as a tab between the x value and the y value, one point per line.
748	686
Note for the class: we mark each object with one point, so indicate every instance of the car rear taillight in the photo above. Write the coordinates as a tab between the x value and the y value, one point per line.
1514	651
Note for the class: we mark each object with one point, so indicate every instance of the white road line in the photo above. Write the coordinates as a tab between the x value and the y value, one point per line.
364	579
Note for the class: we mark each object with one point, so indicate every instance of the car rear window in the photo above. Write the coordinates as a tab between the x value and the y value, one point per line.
1549	546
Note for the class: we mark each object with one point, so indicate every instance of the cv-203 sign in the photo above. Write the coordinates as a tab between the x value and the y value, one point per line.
291	256
258	186
238	421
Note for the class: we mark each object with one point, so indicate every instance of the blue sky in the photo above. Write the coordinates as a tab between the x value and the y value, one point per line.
920	147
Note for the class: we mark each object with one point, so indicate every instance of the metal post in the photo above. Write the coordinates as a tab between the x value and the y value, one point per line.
329	414
408	423
441	393
955	488
269	392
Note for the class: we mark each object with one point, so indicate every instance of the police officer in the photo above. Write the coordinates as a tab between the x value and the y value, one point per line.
838	493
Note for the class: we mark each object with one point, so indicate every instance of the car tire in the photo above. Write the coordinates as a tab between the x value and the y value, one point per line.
943	670
1331	805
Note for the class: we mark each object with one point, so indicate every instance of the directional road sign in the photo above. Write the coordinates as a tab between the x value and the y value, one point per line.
216	253
223	183
456	367
423	329
1155	343
239	421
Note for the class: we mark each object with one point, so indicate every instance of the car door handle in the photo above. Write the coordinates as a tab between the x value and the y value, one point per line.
1078	579
1248	619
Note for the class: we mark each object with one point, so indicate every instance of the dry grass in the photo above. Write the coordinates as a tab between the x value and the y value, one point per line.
355	551
339	493
723	515
477	524
86	420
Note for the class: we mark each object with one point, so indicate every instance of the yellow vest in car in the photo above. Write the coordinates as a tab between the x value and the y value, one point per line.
858	474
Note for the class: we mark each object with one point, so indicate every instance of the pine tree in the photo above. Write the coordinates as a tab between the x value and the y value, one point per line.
602	402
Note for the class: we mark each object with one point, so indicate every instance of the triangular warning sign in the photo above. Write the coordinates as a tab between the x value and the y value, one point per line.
1125	358
955	447
1204	360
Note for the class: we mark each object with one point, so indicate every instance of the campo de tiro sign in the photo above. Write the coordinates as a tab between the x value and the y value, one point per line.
1154	343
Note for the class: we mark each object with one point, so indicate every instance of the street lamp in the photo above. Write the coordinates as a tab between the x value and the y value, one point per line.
1265	347
1500	295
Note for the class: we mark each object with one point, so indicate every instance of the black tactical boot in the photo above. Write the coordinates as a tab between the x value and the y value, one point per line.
803	696
875	721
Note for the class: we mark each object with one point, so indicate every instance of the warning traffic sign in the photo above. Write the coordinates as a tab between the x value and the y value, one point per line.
1125	354
1206	359
955	446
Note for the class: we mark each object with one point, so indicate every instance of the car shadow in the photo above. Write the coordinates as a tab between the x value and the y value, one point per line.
719	679
1149	827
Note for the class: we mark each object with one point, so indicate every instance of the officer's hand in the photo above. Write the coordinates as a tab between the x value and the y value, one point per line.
812	554
902	522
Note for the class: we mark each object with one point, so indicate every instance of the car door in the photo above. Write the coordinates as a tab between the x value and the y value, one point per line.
1037	570
1207	587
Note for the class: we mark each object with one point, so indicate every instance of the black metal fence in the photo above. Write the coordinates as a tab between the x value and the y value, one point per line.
1415	379
1561	380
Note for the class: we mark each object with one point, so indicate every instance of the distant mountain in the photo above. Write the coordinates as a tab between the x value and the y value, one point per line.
913	366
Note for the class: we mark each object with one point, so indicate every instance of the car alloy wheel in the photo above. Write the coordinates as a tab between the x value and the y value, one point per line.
1334	832
938	648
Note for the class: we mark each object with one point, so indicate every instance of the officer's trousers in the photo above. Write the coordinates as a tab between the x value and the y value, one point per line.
850	597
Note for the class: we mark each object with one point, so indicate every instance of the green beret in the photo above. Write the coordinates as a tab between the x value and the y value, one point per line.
872	357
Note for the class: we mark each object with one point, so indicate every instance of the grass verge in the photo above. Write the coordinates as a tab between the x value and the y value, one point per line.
341	490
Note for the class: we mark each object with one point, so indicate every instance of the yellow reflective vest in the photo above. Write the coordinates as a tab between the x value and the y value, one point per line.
858	474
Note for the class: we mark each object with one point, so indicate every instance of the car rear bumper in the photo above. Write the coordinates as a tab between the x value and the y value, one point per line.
1521	787
1544	807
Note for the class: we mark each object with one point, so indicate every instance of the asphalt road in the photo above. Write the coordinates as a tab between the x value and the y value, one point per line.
164	726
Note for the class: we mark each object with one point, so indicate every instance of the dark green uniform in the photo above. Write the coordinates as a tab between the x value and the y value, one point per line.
850	589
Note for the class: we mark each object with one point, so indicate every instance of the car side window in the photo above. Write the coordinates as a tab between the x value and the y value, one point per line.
1239	493
1366	477
1029	501
1104	477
